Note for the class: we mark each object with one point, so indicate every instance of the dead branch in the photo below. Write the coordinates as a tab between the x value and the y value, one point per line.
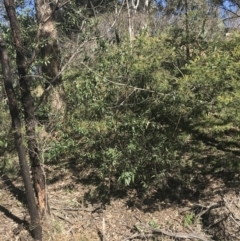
234	220
64	219
208	208
204	209
232	208
104	230
153	231
117	83
181	235
139	236
218	221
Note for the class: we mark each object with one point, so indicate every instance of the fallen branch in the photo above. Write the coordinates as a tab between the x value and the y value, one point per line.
104	230
233	209
153	231
208	208
64	219
174	235
139	236
218	221
180	235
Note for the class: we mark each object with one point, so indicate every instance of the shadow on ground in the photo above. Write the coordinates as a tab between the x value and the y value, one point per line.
204	159
18	193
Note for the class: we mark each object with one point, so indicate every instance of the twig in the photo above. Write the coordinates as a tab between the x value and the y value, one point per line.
128	97
63	4
95	15
232	212
217	222
60	217
117	83
177	125
234	220
139	236
208	208
204	208
181	235
104	230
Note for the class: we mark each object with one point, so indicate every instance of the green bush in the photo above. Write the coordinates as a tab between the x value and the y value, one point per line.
130	113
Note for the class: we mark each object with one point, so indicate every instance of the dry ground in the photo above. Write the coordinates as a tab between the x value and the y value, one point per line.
74	217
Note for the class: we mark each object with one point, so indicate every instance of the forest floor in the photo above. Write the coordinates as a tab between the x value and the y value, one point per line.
211	211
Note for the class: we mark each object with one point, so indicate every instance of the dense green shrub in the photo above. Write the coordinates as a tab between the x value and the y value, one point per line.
131	113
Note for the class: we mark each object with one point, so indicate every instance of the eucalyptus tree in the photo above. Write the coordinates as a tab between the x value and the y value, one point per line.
19	140
42	50
28	105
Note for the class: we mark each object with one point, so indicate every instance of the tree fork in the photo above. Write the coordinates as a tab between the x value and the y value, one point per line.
16	125
28	105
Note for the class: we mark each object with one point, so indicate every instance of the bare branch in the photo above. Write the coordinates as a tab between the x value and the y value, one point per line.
230	11
117	83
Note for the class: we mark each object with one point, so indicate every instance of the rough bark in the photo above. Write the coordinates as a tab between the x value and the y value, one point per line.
50	53
16	125
28	106
48	35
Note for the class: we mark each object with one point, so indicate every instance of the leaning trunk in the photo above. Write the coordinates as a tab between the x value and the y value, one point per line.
28	106
16	125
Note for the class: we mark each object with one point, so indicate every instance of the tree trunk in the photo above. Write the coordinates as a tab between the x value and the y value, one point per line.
16	125
187	30
48	35
50	53
28	106
130	23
